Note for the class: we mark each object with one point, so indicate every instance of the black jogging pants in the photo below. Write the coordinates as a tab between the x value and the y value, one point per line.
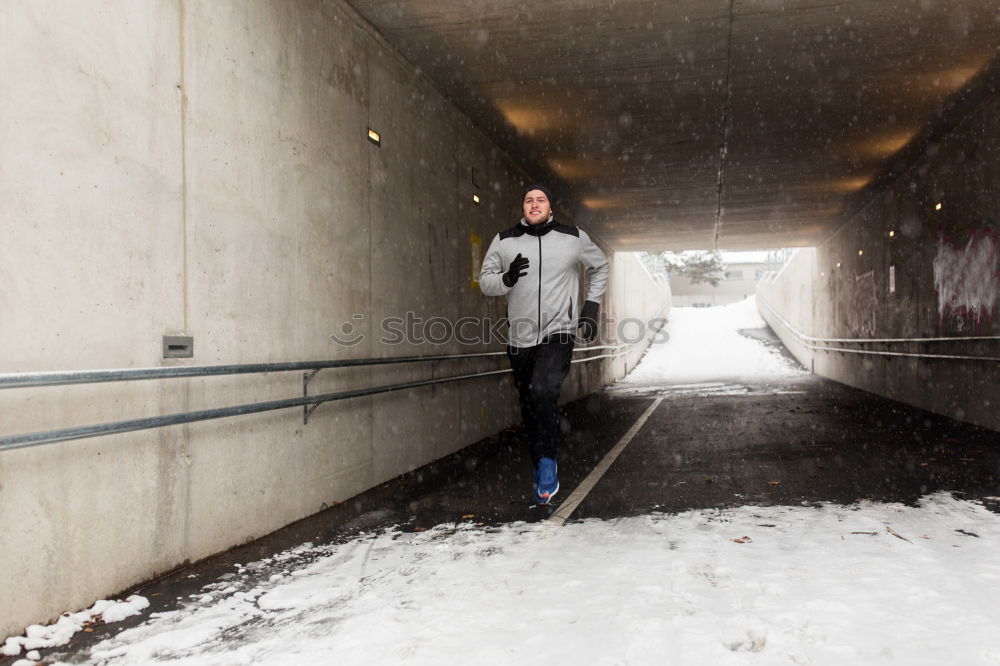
539	372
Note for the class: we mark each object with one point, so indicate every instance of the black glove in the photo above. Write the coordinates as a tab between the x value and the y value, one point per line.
588	320
514	272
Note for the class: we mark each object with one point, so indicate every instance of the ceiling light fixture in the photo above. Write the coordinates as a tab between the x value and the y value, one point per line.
475	199
937	207
374	137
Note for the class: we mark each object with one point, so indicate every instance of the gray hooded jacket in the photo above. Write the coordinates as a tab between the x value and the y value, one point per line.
544	301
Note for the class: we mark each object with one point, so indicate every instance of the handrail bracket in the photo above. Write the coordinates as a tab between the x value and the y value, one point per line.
307	410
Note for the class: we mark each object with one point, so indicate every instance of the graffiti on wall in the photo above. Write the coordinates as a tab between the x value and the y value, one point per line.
966	278
862	305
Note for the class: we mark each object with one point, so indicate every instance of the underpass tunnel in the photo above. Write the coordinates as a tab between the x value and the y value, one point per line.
209	207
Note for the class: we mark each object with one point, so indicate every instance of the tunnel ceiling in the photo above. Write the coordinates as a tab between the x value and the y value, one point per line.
695	124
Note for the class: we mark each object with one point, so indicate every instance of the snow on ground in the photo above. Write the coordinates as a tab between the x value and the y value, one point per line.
62	630
825	584
704	344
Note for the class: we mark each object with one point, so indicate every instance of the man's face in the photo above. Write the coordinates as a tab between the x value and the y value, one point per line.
536	207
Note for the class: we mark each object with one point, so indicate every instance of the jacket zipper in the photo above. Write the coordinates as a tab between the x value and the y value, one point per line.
538	340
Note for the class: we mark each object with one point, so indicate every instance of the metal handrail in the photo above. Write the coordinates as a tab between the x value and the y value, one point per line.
806	342
803	336
82	432
874	352
39	379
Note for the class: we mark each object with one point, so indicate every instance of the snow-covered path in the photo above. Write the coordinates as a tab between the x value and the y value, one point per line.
704	345
821	584
830	585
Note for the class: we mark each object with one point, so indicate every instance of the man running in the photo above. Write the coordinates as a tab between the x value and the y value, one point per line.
534	264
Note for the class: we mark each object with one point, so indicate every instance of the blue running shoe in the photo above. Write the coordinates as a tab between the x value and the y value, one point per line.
546	480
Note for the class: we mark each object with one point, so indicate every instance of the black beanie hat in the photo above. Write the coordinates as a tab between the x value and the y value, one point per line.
537	186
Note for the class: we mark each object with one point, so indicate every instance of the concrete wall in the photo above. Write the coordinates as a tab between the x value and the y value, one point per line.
936	276
786	301
633	306
641	305
201	167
